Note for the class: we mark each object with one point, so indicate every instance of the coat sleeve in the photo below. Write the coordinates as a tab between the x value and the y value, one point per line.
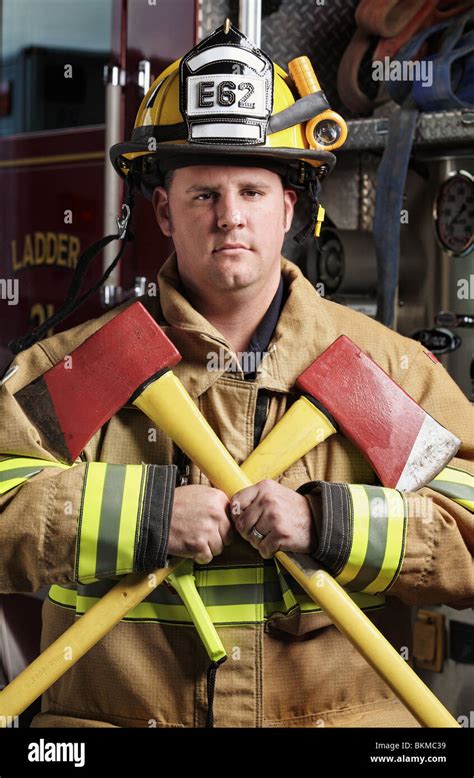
417	546
80	523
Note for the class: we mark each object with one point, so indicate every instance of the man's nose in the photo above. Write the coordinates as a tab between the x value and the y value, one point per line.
229	213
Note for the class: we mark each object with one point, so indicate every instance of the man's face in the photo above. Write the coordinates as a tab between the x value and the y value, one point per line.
227	225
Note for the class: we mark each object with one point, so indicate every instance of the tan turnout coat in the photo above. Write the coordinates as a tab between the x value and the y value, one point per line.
295	670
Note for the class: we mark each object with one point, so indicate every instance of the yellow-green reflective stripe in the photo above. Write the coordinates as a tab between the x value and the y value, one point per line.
129	526
395	542
259	585
256	589
289	599
308	605
288	594
360	538
230	576
109	520
377	538
145	611
456	484
152	611
163	606
109	525
89	521
63	595
260	607
16	477
228	615
16	470
377	542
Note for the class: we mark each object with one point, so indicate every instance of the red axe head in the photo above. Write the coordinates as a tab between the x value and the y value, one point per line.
73	399
404	444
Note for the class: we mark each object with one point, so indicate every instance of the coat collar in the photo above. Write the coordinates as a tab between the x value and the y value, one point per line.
303	331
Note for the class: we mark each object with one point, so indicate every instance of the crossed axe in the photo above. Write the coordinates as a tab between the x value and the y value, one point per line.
342	388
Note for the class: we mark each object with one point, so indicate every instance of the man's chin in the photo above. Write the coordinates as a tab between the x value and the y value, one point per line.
233	284
233	278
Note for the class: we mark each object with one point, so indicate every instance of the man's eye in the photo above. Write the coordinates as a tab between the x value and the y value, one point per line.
205	196
252	193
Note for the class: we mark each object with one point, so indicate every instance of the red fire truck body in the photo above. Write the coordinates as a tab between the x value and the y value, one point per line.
54	139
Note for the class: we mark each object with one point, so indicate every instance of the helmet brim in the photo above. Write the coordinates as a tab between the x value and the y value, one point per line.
167	150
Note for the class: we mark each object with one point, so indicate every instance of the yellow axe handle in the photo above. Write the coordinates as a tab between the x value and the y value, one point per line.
79	638
168	405
204	448
302	428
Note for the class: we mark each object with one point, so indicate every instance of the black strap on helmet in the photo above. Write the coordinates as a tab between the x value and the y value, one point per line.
312	184
73	301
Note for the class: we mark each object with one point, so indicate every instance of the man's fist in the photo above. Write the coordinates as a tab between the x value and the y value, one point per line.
200	525
282	516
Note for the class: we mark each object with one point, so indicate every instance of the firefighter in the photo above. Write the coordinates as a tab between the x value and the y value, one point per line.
220	149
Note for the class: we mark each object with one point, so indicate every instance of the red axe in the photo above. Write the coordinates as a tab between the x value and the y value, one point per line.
68	405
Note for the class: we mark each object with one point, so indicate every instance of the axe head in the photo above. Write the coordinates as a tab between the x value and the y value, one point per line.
405	446
72	400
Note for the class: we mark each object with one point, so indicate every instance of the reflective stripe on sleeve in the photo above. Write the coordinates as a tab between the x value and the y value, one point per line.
456	484
362	538
377	541
16	470
109	520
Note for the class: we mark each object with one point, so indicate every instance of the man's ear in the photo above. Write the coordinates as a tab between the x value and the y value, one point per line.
161	207
290	198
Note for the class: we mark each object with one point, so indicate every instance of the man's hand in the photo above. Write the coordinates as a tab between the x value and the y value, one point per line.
281	515
200	525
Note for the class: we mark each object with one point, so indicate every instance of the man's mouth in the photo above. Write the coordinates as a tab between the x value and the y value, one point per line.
232	247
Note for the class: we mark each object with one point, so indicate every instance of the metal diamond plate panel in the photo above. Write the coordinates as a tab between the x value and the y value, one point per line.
319	29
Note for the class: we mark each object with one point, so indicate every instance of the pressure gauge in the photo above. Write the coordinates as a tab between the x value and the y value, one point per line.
454	213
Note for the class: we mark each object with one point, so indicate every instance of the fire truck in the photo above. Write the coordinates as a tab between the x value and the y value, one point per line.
72	77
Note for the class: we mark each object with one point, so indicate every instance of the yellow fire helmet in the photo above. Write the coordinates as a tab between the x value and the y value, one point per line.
225	102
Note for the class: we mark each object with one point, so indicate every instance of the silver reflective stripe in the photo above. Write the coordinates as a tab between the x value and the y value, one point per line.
226	54
226	130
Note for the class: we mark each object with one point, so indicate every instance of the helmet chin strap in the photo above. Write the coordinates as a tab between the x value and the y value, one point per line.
314	188
73	301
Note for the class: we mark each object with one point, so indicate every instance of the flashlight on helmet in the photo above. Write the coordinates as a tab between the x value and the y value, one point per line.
328	130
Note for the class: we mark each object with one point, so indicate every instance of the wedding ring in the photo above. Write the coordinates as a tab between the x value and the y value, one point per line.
257	534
